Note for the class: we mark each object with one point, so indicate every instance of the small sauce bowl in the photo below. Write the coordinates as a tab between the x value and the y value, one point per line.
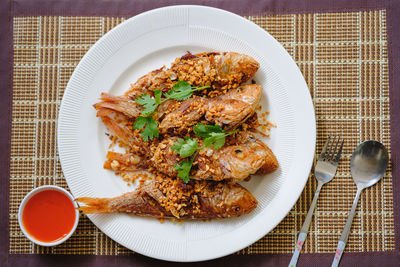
49	211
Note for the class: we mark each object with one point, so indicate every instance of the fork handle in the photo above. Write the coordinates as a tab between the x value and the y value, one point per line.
305	227
297	249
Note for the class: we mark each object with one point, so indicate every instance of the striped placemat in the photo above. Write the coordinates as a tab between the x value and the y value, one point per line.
343	57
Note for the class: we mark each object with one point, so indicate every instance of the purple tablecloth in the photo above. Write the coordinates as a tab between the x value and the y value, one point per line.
11	9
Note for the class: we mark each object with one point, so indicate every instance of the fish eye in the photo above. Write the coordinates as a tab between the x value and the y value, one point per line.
252	138
237	209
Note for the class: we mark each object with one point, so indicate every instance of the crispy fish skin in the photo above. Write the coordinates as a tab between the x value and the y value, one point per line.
237	162
234	107
228	110
231	62
206	200
271	163
234	162
224	70
164	158
187	115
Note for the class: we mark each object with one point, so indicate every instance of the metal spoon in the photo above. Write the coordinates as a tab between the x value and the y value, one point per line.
368	164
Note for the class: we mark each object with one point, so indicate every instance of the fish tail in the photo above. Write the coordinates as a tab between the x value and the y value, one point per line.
108	97
94	205
102	112
119	131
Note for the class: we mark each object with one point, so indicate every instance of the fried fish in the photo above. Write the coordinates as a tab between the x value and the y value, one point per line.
171	198
223	70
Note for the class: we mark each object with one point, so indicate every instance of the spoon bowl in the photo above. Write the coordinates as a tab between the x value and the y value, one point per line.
368	163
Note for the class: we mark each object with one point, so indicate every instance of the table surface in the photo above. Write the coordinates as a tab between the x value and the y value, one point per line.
347	57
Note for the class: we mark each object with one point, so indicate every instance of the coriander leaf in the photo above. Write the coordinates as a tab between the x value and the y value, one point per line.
178	145
140	122
182	86
204	131
157	96
149	127
180	91
151	130
185	148
217	140
188	148
200	130
148	103
183	169
213	134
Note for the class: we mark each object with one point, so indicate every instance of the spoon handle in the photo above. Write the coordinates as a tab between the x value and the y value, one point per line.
345	234
305	227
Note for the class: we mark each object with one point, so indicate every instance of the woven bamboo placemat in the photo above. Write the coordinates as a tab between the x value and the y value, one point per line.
343	57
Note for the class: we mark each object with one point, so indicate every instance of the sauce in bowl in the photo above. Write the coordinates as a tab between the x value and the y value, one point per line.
49	216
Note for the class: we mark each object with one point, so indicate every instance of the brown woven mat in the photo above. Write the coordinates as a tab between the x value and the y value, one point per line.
343	57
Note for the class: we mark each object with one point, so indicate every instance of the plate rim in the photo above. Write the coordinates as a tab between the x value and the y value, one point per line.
123	24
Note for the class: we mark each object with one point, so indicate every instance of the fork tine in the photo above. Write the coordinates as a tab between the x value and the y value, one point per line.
334	150
339	152
322	155
329	154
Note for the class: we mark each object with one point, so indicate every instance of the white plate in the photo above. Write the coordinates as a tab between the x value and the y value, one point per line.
146	42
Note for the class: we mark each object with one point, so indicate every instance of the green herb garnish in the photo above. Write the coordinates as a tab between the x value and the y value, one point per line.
185	147
213	135
217	140
180	91
202	130
149	103
183	168
149	126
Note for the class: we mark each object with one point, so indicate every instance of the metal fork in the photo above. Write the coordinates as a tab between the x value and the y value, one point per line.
324	172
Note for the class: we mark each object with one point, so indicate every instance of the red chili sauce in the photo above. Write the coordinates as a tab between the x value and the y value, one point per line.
48	216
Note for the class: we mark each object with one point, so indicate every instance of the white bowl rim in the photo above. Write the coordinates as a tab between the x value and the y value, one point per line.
29	196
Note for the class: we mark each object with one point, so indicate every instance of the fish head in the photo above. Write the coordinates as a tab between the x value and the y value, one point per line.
229	112
234	107
239	201
240	161
248	93
235	62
